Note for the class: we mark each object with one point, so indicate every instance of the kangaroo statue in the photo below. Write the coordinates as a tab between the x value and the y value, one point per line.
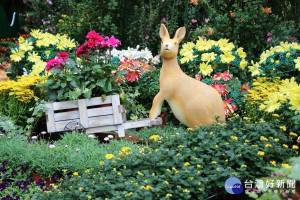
192	102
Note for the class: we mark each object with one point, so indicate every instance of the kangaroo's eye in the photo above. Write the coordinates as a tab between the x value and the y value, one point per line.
175	43
162	42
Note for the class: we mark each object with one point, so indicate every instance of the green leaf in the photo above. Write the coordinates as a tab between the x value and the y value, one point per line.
101	82
96	68
63	85
74	84
50	81
53	96
108	86
60	92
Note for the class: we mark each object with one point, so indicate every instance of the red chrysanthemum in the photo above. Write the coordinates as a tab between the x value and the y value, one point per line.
55	62
220	88
228	107
83	50
225	76
94	39
63	55
133	75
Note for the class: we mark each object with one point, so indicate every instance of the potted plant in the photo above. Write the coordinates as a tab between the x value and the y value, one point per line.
88	74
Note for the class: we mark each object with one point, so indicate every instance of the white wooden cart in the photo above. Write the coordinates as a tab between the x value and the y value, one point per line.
95	115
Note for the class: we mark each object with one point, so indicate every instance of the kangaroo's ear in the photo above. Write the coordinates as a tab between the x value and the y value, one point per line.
180	33
163	32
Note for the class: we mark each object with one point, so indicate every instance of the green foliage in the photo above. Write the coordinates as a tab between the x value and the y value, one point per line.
183	163
73	152
132	21
135	110
8	127
15	110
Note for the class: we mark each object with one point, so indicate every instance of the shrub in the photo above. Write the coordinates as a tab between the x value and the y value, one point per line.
183	164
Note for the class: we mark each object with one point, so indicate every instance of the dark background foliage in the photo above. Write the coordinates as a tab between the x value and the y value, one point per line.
131	21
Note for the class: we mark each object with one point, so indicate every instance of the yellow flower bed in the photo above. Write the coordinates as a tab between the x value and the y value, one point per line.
23	88
271	94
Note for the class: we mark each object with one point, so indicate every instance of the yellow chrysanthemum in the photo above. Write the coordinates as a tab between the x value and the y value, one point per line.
225	46
205	69
26	46
261	153
17	55
243	64
297	63
33	57
227	57
241	53
254	69
207	57
203	45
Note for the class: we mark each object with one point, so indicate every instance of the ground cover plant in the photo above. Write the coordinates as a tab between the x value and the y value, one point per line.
73	152
180	163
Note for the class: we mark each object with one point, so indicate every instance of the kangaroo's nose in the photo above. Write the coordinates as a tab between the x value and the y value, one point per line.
167	46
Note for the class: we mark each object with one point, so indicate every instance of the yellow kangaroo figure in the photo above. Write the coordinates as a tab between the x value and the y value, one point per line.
192	102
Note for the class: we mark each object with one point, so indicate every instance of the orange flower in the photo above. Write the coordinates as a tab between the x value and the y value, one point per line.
266	10
232	14
210	31
195	2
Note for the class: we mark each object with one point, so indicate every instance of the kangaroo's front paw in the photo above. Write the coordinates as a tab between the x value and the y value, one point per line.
152	114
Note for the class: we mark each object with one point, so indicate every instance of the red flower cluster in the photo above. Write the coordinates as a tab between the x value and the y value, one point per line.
134	68
95	40
57	61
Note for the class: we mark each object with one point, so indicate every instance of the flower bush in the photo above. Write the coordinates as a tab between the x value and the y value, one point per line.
182	164
210	55
230	89
282	61
31	54
17	97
